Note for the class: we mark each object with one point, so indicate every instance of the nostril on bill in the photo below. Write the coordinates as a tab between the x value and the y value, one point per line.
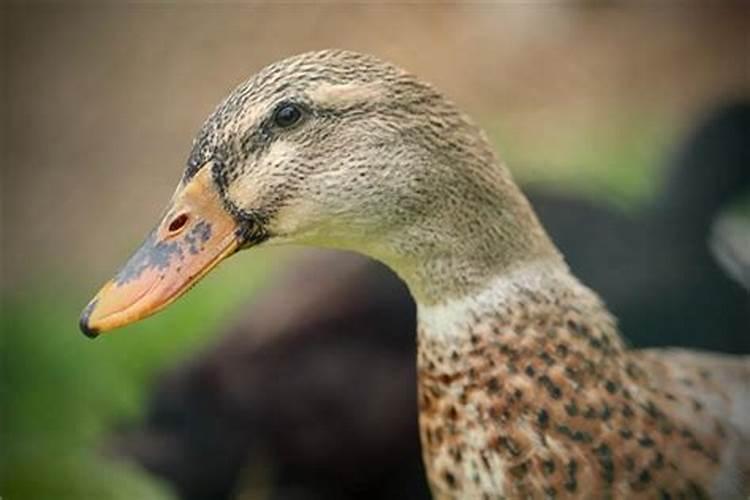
178	223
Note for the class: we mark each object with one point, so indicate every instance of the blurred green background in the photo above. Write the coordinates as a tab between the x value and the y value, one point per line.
101	102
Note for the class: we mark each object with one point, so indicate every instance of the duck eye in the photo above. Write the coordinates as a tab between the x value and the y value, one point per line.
287	115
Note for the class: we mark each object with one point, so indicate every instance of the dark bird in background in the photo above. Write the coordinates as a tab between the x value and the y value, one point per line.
285	397
277	401
654	269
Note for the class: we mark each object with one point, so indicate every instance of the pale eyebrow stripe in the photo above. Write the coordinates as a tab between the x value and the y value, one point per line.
344	94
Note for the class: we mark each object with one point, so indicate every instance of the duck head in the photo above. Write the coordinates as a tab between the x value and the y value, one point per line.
333	149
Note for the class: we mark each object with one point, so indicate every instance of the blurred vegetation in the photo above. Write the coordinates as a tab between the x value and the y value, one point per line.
616	165
62	393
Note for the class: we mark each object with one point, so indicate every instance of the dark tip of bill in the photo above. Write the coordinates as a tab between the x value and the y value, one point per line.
91	333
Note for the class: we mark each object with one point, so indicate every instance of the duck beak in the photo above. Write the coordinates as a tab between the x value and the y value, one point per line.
196	234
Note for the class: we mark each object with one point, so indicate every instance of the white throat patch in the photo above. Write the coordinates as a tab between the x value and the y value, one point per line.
450	320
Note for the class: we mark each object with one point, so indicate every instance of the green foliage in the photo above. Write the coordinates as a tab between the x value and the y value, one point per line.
616	163
62	393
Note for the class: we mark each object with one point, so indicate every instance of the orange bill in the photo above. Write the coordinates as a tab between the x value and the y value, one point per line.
196	234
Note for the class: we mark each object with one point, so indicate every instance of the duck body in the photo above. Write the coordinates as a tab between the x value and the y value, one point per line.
558	407
341	150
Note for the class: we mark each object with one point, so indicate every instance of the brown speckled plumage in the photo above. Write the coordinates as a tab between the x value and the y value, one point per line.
542	399
526	389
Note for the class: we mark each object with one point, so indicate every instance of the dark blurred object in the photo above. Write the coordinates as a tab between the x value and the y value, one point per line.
317	382
655	269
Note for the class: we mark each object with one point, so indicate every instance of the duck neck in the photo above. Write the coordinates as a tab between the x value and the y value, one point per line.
454	320
483	357
480	230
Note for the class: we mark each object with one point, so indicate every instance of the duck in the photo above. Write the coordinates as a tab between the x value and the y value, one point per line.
346	317
525	387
